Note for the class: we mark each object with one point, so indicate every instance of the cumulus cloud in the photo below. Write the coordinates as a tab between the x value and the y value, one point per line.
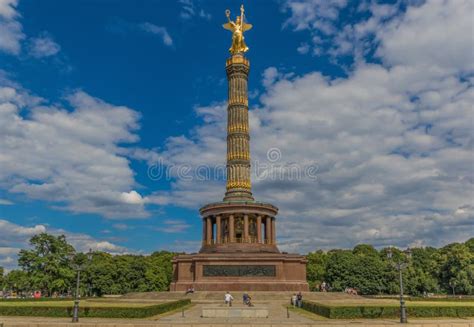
69	157
16	237
43	46
157	30
11	30
392	141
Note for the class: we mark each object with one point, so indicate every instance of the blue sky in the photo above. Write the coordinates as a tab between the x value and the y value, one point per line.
377	95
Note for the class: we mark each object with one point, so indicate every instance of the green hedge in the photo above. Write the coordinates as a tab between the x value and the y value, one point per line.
465	298
43	299
96	312
352	312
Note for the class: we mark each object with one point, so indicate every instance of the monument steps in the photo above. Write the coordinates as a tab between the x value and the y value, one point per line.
216	297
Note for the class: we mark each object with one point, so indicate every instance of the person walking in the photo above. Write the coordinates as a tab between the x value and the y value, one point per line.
228	298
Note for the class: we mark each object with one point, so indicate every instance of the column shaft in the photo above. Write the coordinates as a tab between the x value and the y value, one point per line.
218	229
259	229
273	231
204	237
231	229
208	230
268	229
246	228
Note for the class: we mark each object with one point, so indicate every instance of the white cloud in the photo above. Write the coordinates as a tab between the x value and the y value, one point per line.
71	158
173	226
190	10
158	30
5	202
11	32
313	14
16	237
43	46
121	226
131	197
438	33
303	48
393	141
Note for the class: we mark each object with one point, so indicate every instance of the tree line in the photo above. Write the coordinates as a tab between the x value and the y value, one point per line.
50	266
447	270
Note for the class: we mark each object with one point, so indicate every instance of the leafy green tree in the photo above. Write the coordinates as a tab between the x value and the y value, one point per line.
421	275
17	280
316	268
365	250
2	272
48	263
99	276
159	270
457	269
362	268
470	244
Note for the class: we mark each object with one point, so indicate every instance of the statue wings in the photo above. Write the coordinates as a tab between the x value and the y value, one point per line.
245	27
228	26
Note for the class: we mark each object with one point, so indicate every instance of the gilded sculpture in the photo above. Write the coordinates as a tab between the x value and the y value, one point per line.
237	28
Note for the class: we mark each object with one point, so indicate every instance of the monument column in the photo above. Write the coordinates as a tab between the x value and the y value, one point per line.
238	150
246	228
218	229
231	229
259	229
268	229
208	230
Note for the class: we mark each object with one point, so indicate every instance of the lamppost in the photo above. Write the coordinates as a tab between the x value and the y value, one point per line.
79	265
400	265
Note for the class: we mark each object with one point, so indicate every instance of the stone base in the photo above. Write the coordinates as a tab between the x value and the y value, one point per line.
240	272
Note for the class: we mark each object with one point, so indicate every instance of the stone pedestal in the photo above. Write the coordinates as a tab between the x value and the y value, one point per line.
240	272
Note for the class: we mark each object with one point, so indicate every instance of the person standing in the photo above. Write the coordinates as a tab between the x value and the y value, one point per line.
299	300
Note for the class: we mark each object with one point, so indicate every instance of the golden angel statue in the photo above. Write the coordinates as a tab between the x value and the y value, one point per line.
237	28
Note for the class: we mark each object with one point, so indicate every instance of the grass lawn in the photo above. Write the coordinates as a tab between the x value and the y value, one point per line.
84	303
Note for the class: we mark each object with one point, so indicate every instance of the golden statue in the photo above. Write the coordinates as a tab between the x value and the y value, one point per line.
237	28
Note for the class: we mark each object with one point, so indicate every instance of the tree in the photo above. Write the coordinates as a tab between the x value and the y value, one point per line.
470	244
17	280
316	268
2	271
422	274
159	270
457	269
48	264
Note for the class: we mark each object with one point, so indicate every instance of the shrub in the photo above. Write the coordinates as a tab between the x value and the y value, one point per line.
352	312
96	312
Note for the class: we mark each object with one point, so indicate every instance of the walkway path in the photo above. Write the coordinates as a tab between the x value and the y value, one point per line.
277	314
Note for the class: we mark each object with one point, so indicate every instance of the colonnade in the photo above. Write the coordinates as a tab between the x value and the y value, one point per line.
235	228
